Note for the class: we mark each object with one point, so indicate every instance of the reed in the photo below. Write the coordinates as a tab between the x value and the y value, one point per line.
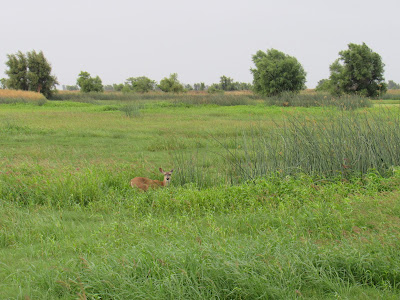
17	96
319	99
349	144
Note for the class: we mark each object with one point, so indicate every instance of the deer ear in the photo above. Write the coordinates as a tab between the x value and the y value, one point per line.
171	171
161	170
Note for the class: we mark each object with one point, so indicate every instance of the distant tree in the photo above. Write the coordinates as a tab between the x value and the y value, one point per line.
171	84
140	84
189	87
393	85
199	86
215	88
30	72
39	74
89	84
276	72
359	70
324	85
72	88
126	89
3	83
118	87
243	86
227	84
108	88
17	71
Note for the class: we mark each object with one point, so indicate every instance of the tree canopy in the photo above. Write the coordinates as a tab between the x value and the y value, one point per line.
30	71
171	84
140	84
276	72
89	84
359	70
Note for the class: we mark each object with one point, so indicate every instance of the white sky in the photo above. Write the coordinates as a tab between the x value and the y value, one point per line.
199	40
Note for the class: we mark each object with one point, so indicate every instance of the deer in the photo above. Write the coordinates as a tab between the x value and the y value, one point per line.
144	183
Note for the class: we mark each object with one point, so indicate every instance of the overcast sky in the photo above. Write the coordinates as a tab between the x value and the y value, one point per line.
199	40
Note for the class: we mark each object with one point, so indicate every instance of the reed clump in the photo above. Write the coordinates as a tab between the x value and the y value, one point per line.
345	144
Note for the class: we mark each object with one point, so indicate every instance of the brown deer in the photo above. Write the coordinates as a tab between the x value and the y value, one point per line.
144	183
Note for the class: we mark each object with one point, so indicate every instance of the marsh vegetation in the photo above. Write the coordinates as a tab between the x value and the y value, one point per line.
267	201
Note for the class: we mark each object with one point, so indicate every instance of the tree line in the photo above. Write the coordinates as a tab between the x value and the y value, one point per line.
358	70
143	84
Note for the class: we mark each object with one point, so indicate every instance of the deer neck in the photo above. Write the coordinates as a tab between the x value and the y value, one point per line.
164	182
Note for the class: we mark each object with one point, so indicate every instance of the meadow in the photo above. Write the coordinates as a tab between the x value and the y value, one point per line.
267	201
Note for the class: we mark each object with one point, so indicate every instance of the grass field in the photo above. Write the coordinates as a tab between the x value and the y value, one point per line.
72	227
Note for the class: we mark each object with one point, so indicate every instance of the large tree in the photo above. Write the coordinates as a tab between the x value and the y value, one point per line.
39	74
277	72
88	83
30	72
359	70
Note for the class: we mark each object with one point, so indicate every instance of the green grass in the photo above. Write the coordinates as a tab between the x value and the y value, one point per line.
71	226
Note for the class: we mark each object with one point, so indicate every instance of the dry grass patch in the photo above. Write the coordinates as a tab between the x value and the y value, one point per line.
17	96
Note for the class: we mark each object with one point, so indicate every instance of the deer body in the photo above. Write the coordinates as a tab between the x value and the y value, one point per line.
144	183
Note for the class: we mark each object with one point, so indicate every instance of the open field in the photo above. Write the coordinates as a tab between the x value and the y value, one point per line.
71	226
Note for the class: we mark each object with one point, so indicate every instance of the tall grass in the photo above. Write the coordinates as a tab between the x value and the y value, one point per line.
132	110
188	99
17	96
306	99
276	238
72	227
217	99
319	99
76	95
390	95
62	186
344	145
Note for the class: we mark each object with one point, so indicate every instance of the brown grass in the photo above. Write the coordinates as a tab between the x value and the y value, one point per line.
393	92
17	94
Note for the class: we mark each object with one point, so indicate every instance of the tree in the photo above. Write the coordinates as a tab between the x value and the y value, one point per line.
108	88
227	84
30	72
39	74
215	88
89	84
17	71
72	88
324	85
359	70
277	72
393	85
199	86
171	84
140	84
243	86
118	87
3	83
188	87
